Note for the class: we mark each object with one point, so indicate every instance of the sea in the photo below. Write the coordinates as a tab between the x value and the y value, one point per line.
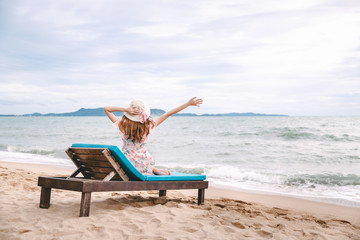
315	158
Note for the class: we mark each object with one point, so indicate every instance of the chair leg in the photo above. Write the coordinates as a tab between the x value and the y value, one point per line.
162	193
201	196
85	204
45	197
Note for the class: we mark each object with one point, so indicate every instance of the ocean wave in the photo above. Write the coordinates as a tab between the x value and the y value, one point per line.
184	145
337	188
284	133
3	147
303	133
326	179
222	154
290	134
39	150
342	138
232	173
34	158
227	133
294	134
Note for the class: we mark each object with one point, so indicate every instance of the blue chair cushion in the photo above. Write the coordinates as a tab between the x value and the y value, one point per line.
134	174
175	177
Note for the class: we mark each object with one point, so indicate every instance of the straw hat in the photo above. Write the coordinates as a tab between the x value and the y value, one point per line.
143	109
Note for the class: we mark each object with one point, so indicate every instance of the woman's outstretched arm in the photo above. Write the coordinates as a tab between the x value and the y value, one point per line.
192	102
110	109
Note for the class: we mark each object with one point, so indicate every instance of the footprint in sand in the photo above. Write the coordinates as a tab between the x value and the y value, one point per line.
189	229
238	225
156	222
195	226
257	225
219	205
321	223
264	234
279	226
144	212
171	204
133	226
315	235
30	188
93	227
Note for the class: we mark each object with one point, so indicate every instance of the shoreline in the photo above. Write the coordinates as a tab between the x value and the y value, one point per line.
58	162
348	213
281	194
226	187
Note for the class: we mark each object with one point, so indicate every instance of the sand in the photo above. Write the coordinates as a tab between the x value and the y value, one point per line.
143	215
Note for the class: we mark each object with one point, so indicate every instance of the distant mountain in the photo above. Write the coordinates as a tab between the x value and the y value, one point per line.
81	112
89	112
186	114
250	114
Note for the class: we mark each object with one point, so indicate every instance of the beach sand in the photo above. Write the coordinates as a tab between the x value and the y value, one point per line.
143	215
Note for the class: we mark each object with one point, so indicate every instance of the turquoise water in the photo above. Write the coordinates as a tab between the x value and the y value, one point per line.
311	157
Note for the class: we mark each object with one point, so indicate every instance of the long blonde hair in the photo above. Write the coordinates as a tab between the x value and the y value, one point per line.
135	131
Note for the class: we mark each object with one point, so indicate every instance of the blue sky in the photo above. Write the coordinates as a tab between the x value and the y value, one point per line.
296	57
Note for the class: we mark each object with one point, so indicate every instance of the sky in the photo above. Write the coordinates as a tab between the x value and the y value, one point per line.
295	57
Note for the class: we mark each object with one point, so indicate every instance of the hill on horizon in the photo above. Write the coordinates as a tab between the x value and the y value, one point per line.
98	112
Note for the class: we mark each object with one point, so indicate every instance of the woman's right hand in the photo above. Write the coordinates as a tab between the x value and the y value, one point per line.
195	102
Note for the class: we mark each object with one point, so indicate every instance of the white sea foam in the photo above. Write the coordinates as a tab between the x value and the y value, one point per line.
33	158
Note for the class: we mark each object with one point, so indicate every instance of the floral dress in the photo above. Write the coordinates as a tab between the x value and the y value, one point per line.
137	153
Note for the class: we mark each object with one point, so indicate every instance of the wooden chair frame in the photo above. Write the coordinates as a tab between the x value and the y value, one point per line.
102	173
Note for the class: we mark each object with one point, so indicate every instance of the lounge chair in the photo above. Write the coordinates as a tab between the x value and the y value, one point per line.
105	168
